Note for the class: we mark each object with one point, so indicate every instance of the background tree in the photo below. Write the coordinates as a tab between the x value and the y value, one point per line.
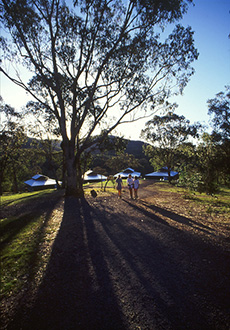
166	134
219	111
46	138
187	165
111	146
93	57
121	161
12	138
208	161
52	167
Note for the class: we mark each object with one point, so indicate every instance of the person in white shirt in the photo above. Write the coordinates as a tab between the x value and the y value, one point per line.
130	185
136	185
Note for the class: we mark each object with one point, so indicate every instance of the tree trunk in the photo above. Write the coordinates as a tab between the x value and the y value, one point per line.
169	174
74	183
1	181
15	186
63	171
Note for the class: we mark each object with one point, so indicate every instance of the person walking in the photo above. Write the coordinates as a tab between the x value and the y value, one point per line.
119	185
130	185
136	185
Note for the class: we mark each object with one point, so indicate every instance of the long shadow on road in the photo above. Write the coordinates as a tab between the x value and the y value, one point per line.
76	292
169	214
115	267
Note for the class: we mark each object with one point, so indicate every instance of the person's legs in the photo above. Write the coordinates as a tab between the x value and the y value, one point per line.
131	192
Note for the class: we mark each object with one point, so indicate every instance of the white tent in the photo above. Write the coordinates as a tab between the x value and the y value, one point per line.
162	174
90	176
125	173
40	181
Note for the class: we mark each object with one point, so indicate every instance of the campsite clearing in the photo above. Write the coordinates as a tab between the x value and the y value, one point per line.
159	262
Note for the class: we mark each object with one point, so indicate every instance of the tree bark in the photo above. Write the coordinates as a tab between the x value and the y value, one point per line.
169	174
74	182
15	186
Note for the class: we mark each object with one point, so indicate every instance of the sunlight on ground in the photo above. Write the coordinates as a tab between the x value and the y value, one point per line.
26	246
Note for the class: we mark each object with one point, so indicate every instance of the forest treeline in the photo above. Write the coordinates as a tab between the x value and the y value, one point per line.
202	167
201	158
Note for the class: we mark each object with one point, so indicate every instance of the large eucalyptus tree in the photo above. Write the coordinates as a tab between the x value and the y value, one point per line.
96	64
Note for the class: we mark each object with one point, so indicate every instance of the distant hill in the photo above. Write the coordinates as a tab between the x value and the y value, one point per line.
33	143
135	148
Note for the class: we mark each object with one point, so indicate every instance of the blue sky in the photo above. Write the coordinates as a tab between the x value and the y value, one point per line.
210	20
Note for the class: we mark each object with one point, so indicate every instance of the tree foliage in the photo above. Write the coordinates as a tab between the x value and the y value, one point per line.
12	137
91	58
219	110
121	161
208	154
167	135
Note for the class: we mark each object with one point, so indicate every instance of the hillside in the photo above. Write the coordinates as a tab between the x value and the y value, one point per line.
48	160
135	148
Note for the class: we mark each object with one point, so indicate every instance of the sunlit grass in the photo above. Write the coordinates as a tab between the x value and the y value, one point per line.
165	186
99	187
21	237
214	204
12	199
19	242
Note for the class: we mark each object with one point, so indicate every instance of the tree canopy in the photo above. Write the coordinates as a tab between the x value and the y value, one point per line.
167	134
219	110
95	64
12	137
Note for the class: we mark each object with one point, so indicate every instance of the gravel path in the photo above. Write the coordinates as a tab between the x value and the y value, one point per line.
120	264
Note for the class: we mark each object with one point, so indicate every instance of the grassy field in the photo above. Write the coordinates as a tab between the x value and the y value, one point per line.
12	199
20	236
218	203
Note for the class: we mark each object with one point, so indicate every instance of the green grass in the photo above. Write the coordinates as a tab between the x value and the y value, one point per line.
20	239
23	197
219	204
214	204
165	186
21	236
99	187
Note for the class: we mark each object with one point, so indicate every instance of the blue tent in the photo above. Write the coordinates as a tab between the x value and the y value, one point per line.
91	176
39	182
162	174
125	173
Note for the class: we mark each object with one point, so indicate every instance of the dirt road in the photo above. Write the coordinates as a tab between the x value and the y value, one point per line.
130	265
